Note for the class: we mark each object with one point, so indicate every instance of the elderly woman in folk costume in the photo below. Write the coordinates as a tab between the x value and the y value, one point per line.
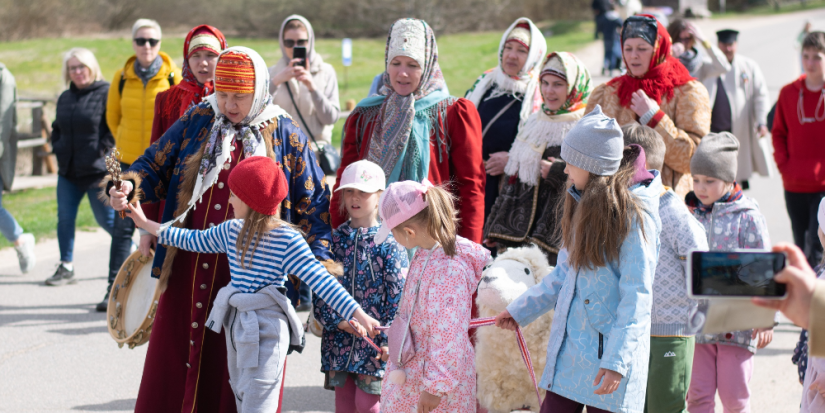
657	91
185	367
201	48
505	96
415	130
534	180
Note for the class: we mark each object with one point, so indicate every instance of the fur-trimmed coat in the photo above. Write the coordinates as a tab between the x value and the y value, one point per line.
185	365
170	166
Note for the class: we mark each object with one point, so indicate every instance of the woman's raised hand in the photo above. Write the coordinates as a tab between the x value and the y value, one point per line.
118	198
506	321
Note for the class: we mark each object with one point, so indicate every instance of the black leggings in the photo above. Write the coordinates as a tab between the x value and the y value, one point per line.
802	209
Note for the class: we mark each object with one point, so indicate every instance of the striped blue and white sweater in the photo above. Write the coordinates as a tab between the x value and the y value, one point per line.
283	251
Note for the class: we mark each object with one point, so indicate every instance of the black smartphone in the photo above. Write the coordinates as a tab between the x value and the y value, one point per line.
300	52
734	274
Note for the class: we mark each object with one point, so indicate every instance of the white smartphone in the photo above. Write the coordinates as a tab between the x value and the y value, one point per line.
734	274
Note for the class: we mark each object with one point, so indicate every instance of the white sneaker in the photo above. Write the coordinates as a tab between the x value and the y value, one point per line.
25	252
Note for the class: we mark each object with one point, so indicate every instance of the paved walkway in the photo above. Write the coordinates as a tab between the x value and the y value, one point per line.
56	354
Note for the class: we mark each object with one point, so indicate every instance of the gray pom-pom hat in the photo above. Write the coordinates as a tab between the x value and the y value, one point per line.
595	144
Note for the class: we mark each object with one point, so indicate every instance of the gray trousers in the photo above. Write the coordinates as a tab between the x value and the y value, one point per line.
257	388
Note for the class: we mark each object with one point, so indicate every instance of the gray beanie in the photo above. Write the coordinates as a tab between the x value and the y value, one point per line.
595	144
716	156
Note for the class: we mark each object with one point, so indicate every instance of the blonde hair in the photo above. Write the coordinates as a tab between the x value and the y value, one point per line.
439	218
141	23
87	58
295	24
256	226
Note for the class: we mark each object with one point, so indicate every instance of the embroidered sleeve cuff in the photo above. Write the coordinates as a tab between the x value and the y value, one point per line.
655	119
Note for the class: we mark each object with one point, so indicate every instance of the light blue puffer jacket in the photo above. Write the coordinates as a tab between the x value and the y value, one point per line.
603	310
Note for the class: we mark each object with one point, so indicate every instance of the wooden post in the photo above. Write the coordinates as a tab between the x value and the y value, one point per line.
46	133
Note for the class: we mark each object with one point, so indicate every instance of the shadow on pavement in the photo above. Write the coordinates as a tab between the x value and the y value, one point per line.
116	405
308	399
58	317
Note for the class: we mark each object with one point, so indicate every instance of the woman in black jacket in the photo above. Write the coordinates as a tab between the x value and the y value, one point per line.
81	140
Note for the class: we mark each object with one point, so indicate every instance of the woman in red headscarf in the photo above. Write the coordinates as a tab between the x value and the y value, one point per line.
201	49
657	91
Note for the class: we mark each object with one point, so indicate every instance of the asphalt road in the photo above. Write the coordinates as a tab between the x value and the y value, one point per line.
56	354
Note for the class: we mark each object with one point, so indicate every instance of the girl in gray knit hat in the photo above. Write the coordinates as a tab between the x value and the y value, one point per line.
732	221
601	288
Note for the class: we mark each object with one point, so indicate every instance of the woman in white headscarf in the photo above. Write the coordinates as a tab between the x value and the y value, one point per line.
313	101
188	166
506	96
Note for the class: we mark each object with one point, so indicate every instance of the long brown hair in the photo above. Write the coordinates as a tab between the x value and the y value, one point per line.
439	218
594	228
256	226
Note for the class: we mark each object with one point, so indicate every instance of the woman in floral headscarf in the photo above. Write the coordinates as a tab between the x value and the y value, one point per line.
185	368
657	91
534	176
506	96
415	130
201	48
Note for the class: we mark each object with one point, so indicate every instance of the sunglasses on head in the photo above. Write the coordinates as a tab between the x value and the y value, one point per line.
289	43
140	41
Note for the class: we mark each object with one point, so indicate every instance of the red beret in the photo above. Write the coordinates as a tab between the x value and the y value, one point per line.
260	183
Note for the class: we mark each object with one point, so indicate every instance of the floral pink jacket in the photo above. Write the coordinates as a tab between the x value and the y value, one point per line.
444	361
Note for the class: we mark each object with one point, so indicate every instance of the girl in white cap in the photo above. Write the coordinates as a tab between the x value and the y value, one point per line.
374	275
435	371
813	388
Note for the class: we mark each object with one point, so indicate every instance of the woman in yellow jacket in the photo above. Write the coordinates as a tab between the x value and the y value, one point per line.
129	114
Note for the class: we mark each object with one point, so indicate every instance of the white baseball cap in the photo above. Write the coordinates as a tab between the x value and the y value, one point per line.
364	176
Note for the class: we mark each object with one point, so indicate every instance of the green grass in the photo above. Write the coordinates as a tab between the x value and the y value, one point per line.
769	9
463	57
36	211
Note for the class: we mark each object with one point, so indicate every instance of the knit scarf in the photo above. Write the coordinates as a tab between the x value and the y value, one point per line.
664	75
223	133
525	85
146	74
404	117
695	204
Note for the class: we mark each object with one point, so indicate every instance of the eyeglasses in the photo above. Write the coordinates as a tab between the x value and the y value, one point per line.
141	41
289	43
77	68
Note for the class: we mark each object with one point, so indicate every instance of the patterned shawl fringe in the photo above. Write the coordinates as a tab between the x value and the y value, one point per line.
540	132
370	115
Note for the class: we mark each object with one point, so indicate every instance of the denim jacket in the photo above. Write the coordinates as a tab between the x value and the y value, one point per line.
602	315
374	275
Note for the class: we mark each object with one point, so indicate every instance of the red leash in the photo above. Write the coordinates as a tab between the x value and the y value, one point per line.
475	323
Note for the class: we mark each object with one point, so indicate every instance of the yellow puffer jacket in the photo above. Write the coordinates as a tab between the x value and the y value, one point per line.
130	114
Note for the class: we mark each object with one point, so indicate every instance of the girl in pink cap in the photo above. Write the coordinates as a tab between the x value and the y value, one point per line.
440	376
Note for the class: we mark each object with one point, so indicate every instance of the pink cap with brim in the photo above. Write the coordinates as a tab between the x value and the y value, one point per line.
364	176
400	202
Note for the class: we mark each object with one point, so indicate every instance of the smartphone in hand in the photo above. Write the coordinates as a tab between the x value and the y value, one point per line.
300	52
734	274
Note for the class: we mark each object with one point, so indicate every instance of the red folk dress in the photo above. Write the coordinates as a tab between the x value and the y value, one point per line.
461	164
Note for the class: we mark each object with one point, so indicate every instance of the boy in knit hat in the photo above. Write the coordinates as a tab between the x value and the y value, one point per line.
262	327
732	221
671	334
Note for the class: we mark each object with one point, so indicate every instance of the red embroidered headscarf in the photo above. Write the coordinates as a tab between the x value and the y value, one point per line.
200	38
665	72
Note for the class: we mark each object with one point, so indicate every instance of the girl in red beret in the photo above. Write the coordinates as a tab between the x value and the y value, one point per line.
262	327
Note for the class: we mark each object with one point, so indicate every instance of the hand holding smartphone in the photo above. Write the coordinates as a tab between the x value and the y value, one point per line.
300	52
734	274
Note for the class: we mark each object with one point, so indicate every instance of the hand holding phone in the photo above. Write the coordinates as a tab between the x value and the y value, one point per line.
300	52
734	274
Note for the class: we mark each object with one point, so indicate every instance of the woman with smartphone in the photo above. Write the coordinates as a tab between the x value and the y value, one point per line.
302	83
307	88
